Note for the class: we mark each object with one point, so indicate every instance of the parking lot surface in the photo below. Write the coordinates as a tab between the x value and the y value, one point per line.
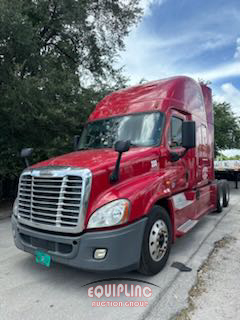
30	291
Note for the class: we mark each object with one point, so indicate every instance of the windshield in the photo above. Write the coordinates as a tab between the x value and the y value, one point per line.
142	129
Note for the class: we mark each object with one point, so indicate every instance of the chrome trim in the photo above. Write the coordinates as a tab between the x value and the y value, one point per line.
57	172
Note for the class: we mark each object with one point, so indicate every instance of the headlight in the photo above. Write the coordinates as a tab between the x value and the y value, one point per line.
15	208
113	213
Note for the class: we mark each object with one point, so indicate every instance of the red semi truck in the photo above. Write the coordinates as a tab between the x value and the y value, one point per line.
141	175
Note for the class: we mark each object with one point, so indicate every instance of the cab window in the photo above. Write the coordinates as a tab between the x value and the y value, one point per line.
175	132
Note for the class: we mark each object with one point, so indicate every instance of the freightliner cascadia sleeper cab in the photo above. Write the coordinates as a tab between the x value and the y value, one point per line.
142	175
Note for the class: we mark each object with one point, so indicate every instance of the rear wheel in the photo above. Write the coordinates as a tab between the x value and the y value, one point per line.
157	241
226	193
219	197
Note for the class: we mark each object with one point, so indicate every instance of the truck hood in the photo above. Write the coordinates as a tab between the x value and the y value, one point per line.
98	159
138	166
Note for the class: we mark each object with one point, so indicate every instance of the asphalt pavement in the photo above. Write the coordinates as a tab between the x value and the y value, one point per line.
30	291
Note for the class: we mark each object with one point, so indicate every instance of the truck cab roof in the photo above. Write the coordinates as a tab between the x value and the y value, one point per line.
158	95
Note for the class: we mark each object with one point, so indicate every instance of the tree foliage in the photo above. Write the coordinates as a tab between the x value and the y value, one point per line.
56	61
222	156
227	127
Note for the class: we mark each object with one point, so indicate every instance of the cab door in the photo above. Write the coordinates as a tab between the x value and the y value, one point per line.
182	171
179	179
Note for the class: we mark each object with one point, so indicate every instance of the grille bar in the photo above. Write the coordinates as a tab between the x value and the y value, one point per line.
56	200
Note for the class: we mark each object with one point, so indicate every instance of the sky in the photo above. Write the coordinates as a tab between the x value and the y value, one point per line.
198	38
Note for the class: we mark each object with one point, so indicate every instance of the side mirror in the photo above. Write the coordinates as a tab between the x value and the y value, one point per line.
122	146
189	134
25	154
76	142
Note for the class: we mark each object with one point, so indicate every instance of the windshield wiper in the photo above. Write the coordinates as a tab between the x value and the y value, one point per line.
134	145
84	148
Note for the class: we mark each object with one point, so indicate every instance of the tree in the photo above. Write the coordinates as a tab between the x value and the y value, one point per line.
226	127
56	61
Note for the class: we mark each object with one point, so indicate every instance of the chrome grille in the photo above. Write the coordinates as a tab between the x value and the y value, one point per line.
54	199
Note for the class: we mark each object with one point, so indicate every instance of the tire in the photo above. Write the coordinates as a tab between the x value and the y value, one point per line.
226	193
157	241
219	197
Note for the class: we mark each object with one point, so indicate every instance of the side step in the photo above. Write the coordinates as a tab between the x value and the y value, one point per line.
188	225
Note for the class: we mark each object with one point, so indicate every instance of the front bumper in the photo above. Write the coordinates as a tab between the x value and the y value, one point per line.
123	246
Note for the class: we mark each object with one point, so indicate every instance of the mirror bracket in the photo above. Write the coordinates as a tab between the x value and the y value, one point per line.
174	156
76	140
120	147
114	177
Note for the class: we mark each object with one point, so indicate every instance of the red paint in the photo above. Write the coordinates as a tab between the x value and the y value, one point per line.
143	185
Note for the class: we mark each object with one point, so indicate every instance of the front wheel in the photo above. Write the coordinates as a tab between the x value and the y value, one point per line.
157	241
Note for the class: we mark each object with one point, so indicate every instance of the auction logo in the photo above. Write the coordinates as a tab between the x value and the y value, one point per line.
129	291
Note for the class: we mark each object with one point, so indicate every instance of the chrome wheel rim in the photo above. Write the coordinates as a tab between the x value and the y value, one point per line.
221	198
227	195
158	240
